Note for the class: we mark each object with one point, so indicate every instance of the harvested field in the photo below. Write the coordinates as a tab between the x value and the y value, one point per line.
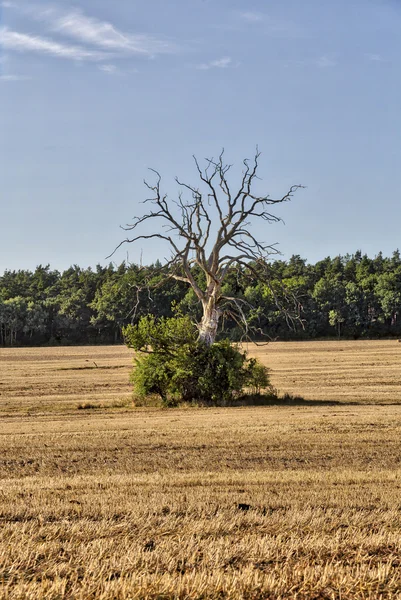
237	503
37	379
345	371
53	379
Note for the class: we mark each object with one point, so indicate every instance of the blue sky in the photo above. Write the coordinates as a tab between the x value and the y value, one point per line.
92	93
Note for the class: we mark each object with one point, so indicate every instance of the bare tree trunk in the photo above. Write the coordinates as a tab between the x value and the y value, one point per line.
209	324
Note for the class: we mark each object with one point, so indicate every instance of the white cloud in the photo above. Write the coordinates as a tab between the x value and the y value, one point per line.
109	69
91	38
374	57
322	62
268	25
252	17
21	42
89	30
325	62
14	78
221	63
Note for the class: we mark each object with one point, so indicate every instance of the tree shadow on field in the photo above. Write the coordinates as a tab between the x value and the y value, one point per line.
276	400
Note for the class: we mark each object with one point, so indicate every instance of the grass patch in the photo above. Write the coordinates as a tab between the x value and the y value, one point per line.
123	403
89	406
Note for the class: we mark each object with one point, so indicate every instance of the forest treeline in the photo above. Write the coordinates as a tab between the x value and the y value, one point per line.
349	296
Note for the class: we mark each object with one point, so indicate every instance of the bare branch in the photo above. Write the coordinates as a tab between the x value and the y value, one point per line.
213	210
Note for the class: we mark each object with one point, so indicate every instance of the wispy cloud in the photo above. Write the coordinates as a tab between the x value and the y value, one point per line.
325	62
14	78
105	35
109	69
21	42
374	57
71	34
252	17
94	33
220	63
322	62
267	24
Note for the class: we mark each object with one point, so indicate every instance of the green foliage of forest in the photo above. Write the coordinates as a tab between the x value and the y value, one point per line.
348	296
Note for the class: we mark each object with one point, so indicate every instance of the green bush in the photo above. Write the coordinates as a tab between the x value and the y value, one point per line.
258	377
175	366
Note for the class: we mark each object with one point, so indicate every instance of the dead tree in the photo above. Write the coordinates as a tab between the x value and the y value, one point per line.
211	230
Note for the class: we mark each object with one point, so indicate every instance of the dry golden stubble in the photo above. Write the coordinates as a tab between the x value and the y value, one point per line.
277	502
144	536
37	380
206	521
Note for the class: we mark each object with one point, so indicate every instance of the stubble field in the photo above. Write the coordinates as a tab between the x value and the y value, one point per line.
100	500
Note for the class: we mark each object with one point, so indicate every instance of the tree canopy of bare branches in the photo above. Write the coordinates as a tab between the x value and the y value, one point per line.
210	227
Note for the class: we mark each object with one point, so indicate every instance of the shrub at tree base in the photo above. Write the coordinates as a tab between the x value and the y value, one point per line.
178	368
